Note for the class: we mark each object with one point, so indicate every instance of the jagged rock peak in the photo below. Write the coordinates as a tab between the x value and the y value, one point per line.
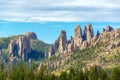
98	33
30	35
63	32
78	31
62	41
109	28
88	32
77	36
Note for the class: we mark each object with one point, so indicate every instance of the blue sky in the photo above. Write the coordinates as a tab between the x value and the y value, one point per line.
48	31
48	17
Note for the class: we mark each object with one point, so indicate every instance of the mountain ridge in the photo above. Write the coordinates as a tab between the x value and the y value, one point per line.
101	49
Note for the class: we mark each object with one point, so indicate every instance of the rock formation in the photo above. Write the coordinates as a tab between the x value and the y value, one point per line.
80	41
77	37
51	52
84	45
88	32
62	42
24	47
98	33
13	48
59	45
21	46
108	29
30	35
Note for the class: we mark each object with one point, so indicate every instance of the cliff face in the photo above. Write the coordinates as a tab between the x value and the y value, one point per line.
80	41
21	46
62	42
77	37
26	47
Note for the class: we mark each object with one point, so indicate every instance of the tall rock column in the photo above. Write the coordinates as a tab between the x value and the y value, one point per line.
88	32
62	42
77	37
24	47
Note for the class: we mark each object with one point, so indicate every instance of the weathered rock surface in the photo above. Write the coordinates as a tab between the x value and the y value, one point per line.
89	34
60	45
13	48
77	37
21	47
62	42
86	40
117	44
30	35
109	28
51	52
84	45
24	47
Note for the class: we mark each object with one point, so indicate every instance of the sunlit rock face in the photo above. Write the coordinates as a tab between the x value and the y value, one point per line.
77	37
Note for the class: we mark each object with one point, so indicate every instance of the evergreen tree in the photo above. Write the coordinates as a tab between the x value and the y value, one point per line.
103	75
116	73
94	74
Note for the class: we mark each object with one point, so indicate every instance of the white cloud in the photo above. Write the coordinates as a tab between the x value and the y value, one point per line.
60	10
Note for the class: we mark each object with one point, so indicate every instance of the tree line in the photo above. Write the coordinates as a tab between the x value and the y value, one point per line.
25	72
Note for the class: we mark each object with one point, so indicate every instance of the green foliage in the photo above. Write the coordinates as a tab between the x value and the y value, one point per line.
94	74
116	73
39	46
63	76
4	43
103	75
24	72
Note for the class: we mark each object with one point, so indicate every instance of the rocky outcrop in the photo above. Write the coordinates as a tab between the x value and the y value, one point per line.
85	44
80	41
88	32
70	48
13	48
56	45
62	42
117	44
98	33
21	47
60	45
51	52
30	35
24	47
108	29
77	37
94	40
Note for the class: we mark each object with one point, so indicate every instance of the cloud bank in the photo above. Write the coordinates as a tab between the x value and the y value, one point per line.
60	10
